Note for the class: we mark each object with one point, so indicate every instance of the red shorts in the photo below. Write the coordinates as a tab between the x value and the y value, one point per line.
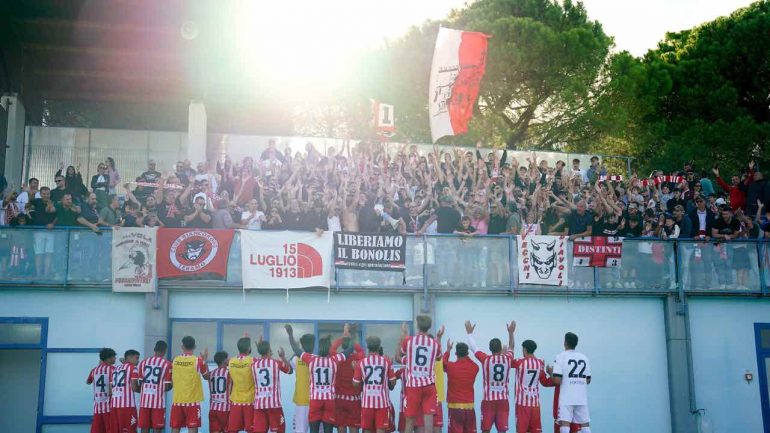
348	412
438	419
186	416
376	419
101	423
528	419
123	419
269	420
218	421
494	413
323	411
462	420
573	428
420	401
241	417
152	418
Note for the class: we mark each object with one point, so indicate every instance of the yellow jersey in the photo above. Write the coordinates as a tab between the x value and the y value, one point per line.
302	383
242	378
440	390
185	377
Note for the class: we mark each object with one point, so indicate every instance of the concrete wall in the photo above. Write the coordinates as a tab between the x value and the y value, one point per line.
623	337
723	350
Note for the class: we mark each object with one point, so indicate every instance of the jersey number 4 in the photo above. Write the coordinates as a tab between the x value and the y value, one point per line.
101	383
575	364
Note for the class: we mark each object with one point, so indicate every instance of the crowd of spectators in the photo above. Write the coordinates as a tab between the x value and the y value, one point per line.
363	188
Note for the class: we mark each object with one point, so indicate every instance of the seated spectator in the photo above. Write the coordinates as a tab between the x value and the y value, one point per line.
252	218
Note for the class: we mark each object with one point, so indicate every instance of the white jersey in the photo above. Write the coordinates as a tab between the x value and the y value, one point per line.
574	369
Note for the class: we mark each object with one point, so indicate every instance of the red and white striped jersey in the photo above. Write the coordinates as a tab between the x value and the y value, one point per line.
219	392
267	382
496	369
374	372
154	374
100	377
420	355
322	372
529	371
122	394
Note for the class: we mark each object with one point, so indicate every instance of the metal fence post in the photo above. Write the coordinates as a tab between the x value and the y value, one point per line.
425	302
511	267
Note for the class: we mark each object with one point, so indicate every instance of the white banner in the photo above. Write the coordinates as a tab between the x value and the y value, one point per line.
543	260
133	260
285	260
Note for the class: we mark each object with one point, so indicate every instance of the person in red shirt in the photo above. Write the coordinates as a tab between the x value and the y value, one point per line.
738	189
461	375
347	402
419	380
100	376
122	399
573	427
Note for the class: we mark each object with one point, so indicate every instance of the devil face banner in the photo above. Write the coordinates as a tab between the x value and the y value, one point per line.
183	252
543	260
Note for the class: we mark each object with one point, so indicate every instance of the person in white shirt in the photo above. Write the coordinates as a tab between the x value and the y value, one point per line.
572	373
26	196
252	218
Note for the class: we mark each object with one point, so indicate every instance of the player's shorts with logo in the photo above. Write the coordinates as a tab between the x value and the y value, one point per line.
322	410
241	417
269	420
101	423
154	418
420	400
575	414
123	419
185	416
218	420
528	419
348	412
494	413
375	418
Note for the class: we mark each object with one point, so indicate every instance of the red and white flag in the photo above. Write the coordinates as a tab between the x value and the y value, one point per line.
184	252
597	251
459	62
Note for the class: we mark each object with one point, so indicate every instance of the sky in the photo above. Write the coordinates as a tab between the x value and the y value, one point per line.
636	25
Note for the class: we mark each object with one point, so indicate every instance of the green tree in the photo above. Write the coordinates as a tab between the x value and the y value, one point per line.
543	73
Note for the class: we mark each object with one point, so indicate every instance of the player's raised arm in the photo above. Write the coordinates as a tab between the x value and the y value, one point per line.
402	341
469	328
294	345
286	363
511	330
439	334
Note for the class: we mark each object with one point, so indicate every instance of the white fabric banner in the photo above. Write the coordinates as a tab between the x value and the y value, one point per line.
443	72
133	260
543	260
285	260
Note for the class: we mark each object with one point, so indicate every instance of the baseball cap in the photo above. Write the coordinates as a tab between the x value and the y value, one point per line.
633	205
720	201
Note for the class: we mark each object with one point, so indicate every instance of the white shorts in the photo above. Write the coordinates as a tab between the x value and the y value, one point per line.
43	242
574	414
300	419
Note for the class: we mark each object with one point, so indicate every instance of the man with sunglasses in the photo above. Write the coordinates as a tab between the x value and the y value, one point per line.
58	192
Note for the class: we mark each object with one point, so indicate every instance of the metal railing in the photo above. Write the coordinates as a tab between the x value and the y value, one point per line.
76	257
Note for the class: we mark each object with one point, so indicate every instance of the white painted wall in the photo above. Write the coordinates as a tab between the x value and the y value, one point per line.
624	339
723	349
82	318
